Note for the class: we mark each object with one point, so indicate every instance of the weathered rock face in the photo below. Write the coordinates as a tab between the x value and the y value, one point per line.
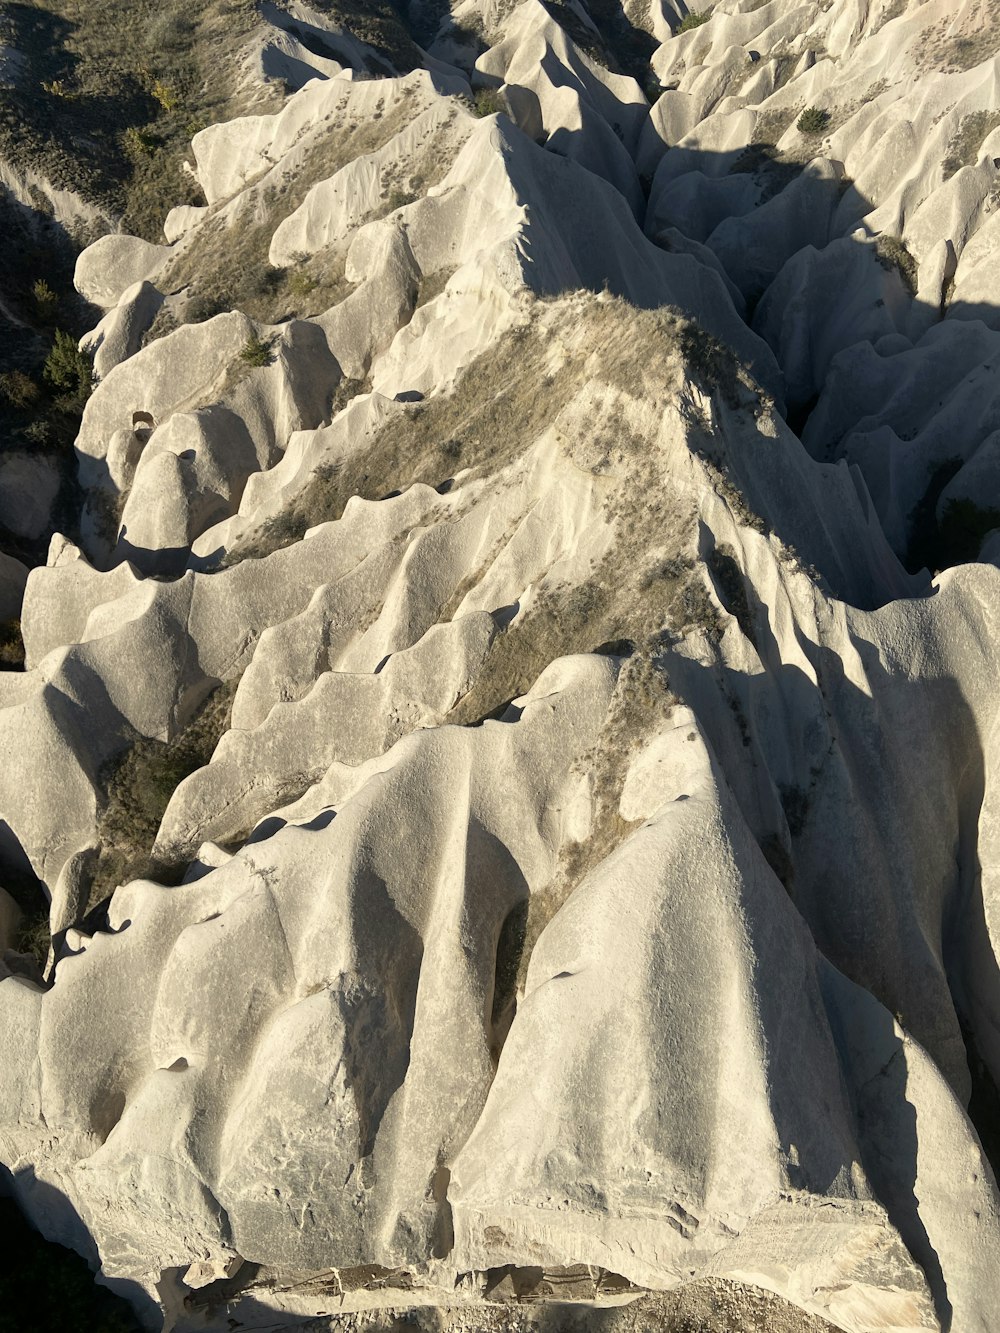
514	813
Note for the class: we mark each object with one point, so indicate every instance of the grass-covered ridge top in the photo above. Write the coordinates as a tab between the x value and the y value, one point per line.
109	94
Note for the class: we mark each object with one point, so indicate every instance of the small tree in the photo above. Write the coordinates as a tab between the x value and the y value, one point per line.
488	102
813	120
255	351
45	300
691	21
19	389
69	371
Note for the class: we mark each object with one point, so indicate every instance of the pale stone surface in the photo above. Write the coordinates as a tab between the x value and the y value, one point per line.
597	870
109	267
29	484
119	334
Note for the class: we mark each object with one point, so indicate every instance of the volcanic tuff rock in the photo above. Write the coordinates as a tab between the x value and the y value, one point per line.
506	740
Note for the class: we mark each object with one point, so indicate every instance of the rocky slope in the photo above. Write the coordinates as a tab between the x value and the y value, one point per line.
506	736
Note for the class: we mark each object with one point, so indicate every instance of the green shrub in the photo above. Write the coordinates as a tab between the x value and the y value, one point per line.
38	432
487	102
301	284
69	370
813	120
34	937
399	198
11	646
691	21
168	97
140	143
45	300
19	389
256	351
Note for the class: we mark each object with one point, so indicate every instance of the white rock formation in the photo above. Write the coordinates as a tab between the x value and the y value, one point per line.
565	809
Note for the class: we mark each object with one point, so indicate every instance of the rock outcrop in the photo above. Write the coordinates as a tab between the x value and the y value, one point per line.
508	749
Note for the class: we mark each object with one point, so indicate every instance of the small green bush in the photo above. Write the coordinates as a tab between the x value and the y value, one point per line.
256	351
69	370
813	120
487	102
19	389
38	432
399	199
45	300
301	284
691	21
140	143
167	96
34	937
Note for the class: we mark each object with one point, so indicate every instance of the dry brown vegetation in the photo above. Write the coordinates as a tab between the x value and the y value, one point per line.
225	265
942	48
641	702
139	786
502	401
11	646
965	144
892	253
113	91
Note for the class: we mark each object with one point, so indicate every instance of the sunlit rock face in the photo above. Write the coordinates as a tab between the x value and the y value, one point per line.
507	731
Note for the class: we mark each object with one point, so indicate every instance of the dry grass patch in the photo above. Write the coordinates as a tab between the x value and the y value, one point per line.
225	265
113	90
892	253
963	149
139	786
642	702
505	399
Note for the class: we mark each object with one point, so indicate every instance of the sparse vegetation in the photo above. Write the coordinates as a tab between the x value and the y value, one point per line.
642	701
712	364
692	20
122	86
46	301
11	646
814	120
257	351
227	266
139	786
487	102
957	536
19	389
964	146
892	253
493	409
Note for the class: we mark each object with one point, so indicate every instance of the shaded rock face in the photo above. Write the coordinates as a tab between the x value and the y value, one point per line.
505	746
